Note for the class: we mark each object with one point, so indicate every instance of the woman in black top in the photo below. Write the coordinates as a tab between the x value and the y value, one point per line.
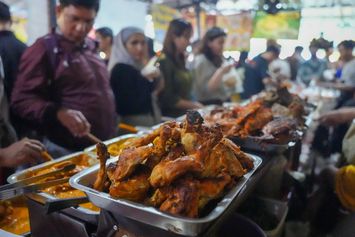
132	90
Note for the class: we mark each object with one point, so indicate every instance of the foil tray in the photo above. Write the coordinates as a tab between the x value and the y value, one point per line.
41	197
91	149
152	216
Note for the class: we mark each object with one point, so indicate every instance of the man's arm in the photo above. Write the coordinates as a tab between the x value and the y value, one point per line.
339	116
30	97
338	85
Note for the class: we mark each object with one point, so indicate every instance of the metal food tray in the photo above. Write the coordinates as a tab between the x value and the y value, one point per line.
90	150
79	212
152	216
4	233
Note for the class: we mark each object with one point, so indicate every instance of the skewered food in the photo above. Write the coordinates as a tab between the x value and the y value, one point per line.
178	168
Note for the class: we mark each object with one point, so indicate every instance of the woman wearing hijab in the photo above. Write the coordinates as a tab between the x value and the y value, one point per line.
209	68
175	98
132	90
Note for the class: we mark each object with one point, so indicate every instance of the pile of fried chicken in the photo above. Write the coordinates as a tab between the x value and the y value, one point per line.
178	168
274	117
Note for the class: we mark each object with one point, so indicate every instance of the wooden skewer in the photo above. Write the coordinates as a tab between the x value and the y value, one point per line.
46	156
127	127
93	138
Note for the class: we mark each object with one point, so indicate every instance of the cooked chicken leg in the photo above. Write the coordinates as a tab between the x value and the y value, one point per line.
101	177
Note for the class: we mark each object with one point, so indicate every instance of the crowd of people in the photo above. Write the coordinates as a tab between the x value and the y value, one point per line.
57	91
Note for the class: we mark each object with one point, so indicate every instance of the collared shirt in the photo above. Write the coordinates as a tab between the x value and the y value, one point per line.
348	73
311	69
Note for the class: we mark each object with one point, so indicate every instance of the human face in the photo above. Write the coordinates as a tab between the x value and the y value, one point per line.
75	22
137	47
104	42
181	42
217	45
344	53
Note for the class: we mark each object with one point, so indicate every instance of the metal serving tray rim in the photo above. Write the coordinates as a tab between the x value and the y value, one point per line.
90	149
214	214
14	178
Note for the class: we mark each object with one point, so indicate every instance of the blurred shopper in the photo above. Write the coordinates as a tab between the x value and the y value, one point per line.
334	199
104	36
295	60
63	87
14	153
210	67
175	98
243	59
312	69
11	48
150	46
133	90
347	79
256	72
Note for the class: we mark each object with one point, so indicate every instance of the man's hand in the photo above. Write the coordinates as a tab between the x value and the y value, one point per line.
336	117
74	121
26	151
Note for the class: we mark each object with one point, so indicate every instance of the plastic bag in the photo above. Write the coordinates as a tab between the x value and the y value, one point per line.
233	80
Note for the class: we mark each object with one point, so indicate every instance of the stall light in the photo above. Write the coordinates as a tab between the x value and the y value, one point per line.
321	53
102	55
148	18
334	57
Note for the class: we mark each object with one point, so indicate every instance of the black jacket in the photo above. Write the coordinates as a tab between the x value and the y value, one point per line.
11	50
132	90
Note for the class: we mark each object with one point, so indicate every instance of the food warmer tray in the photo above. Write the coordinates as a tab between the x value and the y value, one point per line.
152	216
41	197
91	149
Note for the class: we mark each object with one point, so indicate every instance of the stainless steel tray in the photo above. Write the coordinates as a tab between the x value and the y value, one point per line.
152	216
80	212
4	233
91	149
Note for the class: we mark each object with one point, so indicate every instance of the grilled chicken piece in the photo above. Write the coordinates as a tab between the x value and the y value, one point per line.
257	121
149	138
129	159
279	126
135	188
213	188
222	159
101	177
248	110
280	130
183	200
244	159
167	171
159	196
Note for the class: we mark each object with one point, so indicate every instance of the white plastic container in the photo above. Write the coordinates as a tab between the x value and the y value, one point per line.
280	210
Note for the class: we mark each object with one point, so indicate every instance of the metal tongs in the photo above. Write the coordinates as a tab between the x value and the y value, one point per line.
26	185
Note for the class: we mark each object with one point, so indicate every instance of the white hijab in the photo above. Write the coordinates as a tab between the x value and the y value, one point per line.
119	52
